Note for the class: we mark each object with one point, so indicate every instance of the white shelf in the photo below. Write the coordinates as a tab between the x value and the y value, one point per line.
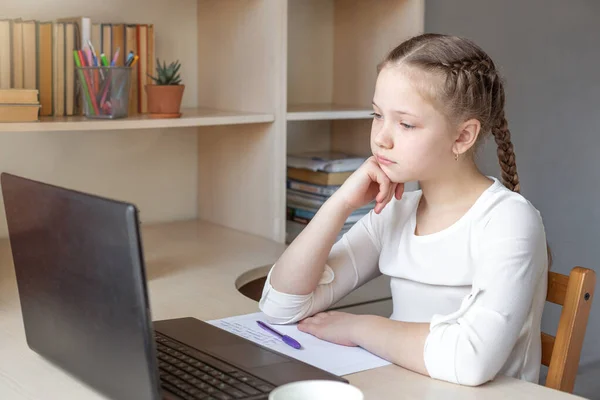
190	117
311	112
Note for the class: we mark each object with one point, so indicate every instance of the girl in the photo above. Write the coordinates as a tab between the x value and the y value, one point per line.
466	254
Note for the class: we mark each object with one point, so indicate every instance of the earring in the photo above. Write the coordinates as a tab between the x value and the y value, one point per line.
455	156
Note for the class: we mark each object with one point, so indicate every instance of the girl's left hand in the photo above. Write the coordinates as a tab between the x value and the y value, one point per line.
332	326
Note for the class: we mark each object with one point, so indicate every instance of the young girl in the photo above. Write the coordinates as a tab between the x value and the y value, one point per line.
466	254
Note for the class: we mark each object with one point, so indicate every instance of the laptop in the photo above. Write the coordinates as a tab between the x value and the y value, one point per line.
81	280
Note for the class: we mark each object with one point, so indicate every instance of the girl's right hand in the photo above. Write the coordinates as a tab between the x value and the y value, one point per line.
366	184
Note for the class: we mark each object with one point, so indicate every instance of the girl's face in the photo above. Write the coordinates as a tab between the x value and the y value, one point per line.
411	140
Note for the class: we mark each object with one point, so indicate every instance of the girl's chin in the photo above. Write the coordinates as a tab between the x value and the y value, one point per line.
393	174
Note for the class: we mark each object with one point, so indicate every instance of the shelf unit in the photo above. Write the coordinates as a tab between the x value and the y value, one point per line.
263	78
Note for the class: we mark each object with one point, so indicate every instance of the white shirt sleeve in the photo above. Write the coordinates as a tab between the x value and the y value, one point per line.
352	261
471	345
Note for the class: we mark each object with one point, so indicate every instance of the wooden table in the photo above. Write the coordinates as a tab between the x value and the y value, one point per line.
188	263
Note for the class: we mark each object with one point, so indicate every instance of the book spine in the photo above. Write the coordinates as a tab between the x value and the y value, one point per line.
305	214
316	189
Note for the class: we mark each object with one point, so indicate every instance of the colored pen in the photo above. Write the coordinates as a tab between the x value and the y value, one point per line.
135	59
94	56
88	57
114	61
103	60
129	58
79	62
286	339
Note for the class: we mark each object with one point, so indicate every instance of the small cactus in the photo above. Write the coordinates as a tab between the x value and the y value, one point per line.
167	75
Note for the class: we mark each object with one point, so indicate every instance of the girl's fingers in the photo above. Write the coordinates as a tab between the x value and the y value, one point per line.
388	196
399	191
391	193
384	185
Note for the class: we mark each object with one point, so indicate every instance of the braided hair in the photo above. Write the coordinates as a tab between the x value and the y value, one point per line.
471	88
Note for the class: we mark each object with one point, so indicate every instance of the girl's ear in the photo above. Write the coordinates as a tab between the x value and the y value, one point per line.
468	132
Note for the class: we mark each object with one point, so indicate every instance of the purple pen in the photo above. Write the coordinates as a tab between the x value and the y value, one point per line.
286	339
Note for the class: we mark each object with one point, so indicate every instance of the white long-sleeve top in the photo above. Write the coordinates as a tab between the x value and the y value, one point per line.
480	283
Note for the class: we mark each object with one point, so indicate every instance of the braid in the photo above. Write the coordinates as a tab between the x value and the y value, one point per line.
476	65
506	155
466	73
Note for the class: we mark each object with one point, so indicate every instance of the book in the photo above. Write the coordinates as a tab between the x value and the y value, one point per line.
19	96
151	60
29	40
45	68
17	53
311	188
19	112
70	45
5	54
306	199
318	177
96	36
326	161
106	39
131	45
142	40
118	42
306	214
83	30
58	80
81	36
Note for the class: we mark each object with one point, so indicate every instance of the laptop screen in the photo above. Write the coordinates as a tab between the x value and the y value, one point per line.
81	283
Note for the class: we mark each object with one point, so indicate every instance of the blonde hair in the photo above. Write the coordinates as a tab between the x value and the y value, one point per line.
471	87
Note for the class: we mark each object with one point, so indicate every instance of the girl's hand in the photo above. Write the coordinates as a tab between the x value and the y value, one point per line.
332	326
366	184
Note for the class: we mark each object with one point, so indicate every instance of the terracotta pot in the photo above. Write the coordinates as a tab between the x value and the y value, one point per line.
164	101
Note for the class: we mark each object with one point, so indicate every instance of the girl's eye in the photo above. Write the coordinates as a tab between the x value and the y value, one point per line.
375	115
406	126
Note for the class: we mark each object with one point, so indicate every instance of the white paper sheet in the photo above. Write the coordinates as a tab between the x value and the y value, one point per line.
337	359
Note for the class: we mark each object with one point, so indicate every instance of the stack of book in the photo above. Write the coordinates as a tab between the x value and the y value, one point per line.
39	55
19	105
311	179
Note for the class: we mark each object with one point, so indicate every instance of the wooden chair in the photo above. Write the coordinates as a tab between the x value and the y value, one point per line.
561	353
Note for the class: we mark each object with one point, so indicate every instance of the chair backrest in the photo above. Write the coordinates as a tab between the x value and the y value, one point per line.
561	353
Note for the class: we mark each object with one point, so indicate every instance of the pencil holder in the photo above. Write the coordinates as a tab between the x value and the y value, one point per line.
105	91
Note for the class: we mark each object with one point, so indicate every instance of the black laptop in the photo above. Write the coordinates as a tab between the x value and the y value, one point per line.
81	279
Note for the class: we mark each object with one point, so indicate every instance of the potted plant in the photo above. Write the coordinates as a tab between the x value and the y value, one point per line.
164	97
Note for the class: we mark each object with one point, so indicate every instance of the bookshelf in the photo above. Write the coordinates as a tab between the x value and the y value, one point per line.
263	77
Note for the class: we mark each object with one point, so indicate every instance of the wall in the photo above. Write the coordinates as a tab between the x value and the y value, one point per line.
548	52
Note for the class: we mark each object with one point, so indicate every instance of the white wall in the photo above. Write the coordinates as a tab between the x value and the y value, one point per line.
549	54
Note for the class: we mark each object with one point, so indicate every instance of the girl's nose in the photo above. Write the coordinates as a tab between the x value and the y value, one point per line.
383	138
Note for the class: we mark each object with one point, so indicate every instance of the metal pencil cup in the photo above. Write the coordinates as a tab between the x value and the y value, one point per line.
105	91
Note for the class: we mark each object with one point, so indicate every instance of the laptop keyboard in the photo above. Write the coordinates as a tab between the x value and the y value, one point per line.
193	375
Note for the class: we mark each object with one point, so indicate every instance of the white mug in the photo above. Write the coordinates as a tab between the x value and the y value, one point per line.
316	390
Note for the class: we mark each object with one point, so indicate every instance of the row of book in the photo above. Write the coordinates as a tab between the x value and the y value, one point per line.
311	179
39	55
19	105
